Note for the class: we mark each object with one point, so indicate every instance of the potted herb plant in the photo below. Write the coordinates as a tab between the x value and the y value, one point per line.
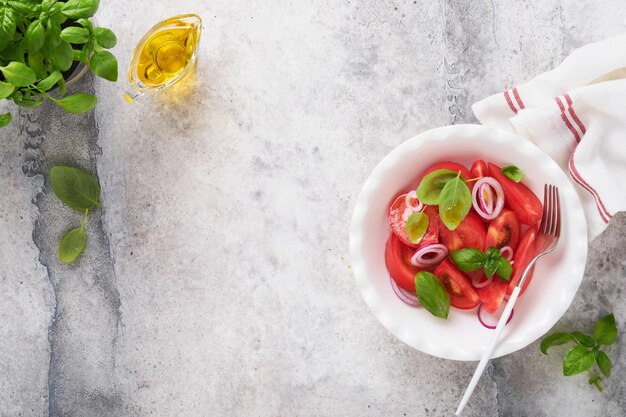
42	44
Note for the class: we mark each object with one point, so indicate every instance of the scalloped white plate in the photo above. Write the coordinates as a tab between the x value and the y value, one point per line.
461	337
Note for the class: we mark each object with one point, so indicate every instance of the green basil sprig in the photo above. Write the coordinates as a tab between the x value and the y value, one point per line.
491	262
432	295
587	351
416	226
513	173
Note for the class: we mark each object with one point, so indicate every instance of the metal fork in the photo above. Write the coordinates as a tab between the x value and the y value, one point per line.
547	238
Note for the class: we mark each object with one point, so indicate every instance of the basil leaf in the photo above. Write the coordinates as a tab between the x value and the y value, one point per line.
35	62
493	253
18	74
105	37
75	35
504	269
77	103
584	340
430	187
604	363
86	24
606	330
75	187
578	360
72	244
468	259
104	65
416	226
513	173
75	9
555	339
7	26
490	267
5	119
63	55
49	82
34	36
432	295
6	89
455	202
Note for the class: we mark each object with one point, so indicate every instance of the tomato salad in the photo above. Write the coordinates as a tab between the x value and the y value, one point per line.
462	239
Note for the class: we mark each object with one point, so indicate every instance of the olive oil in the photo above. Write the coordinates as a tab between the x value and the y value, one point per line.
165	55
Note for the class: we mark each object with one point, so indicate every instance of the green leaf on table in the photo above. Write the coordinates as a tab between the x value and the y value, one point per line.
468	259
432	295
8	23
18	74
579	359
584	340
606	330
50	81
104	65
5	119
75	35
513	173
75	9
416	226
554	339
504	269
6	89
34	36
455	202
77	103
63	55
429	189
604	363
105	37
76	188
72	244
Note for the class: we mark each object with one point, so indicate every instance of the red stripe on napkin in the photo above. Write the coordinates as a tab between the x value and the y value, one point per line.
507	97
580	124
604	213
520	103
566	120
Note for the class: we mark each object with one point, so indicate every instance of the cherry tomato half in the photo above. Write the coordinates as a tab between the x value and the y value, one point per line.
397	223
522	257
458	285
504	230
398	261
452	166
518	198
469	234
479	169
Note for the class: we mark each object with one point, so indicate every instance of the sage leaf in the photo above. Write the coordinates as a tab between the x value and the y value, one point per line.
555	339
7	26
604	363
513	173
429	189
5	119
75	9
416	226
584	340
75	188
50	81
504	269
105	37
104	65
578	360
6	89
18	74
606	330
432	295
72	244
77	103
468	259
455	202
34	36
75	35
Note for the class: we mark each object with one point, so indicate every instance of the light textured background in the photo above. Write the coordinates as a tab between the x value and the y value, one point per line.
217	280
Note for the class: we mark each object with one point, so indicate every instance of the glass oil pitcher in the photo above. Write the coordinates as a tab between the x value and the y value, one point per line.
165	55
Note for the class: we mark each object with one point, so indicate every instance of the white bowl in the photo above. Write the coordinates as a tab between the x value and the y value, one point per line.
461	337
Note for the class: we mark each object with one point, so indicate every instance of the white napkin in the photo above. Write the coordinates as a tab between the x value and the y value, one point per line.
576	113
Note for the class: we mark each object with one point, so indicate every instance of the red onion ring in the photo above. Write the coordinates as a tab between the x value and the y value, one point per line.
404	295
410	199
506	252
486	198
489	320
438	251
481	206
477	277
406	214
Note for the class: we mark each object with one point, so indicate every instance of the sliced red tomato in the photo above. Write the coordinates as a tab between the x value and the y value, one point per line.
522	257
458	285
492	296
518	198
479	169
398	261
452	166
397	223
469	234
504	230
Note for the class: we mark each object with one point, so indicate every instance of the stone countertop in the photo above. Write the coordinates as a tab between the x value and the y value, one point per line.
217	281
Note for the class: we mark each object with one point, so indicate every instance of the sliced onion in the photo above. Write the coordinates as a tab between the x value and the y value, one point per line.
477	277
429	255
506	252
404	295
483	200
406	214
413	202
489	320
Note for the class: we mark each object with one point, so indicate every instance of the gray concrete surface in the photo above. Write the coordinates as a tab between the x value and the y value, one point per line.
216	280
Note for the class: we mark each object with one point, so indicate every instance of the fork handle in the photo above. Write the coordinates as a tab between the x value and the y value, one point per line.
487	354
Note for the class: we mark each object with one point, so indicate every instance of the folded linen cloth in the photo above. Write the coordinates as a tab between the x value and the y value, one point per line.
576	113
